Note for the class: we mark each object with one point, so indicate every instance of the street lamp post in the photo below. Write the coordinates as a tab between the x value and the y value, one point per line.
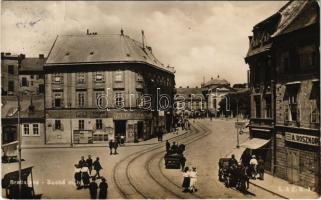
237	129
70	121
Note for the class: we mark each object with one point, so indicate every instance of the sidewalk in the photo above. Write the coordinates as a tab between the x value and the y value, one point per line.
151	141
284	189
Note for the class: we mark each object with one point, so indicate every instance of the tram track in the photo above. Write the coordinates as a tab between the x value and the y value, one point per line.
124	180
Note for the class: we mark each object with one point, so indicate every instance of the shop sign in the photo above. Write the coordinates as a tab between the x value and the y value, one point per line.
302	139
130	115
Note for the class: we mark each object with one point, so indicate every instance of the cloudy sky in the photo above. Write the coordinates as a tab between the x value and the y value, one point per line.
199	39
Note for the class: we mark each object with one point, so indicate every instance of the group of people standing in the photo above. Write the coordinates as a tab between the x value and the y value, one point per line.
189	180
113	145
85	179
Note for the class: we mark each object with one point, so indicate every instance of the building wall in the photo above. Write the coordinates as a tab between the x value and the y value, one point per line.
6	77
33	82
33	139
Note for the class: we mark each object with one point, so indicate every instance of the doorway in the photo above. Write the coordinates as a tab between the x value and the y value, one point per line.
120	128
293	158
140	130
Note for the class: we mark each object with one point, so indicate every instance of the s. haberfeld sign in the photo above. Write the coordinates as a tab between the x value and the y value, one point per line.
302	139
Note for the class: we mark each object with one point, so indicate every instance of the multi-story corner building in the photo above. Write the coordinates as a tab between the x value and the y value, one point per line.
215	91
9	73
284	66
102	86
31	75
190	101
297	95
260	61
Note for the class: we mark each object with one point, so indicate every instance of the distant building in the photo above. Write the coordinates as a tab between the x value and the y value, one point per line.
82	68
284	63
9	73
215	91
190	102
32	120
31	75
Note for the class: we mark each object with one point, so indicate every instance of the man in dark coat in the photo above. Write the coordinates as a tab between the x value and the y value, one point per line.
89	162
168	146
103	187
174	148
181	148
97	167
81	162
182	161
93	189
115	147
111	146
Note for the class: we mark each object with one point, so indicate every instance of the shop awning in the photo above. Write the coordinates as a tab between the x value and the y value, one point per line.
254	143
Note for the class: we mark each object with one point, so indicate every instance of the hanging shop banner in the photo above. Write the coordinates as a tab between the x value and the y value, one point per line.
302	139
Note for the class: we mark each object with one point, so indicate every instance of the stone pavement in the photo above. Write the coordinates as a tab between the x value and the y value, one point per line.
146	142
283	188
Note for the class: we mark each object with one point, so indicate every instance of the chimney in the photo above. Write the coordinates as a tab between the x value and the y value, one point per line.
121	31
88	32
8	54
41	56
187	87
211	78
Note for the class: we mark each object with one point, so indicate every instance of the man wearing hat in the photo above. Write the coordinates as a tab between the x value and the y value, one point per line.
253	164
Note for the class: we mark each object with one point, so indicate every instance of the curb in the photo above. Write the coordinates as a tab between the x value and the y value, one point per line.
102	145
263	188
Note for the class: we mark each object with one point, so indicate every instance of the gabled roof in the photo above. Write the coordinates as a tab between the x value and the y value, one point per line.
96	49
32	64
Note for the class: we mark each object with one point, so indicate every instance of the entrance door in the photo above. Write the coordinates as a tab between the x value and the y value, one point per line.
293	157
140	130
120	128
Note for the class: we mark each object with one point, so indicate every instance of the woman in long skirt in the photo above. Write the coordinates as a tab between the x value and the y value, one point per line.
78	176
193	175
186	179
85	175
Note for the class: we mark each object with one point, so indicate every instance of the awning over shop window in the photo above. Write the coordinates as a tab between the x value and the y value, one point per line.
254	143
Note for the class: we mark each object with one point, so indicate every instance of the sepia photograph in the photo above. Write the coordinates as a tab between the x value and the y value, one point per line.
160	99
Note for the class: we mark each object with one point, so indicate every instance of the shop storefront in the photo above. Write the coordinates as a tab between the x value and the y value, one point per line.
298	159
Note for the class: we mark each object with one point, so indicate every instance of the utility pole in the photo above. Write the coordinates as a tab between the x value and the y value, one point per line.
19	132
237	129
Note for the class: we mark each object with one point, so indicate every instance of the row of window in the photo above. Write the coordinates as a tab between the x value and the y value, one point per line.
31	130
81	98
81	124
98	77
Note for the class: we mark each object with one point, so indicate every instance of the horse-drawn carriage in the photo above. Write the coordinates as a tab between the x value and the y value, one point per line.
232	174
173	161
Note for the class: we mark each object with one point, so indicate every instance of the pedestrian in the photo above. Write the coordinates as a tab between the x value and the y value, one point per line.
260	168
193	176
93	188
248	174
89	162
122	140
115	147
174	148
77	176
161	133
233	161
188	125
111	146
182	161
81	161
97	167
168	146
253	164
186	179
85	175
181	149
103	189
